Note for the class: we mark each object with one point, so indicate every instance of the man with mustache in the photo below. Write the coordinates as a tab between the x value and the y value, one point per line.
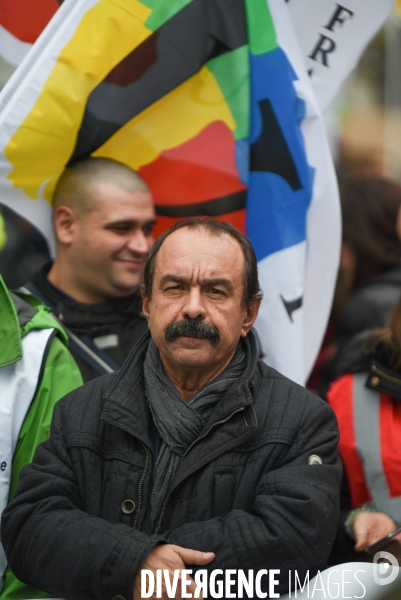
103	221
195	453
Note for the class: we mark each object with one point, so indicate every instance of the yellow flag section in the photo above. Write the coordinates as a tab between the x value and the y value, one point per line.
44	142
170	121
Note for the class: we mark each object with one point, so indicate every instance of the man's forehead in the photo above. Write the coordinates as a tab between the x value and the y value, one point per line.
211	254
117	203
187	239
107	190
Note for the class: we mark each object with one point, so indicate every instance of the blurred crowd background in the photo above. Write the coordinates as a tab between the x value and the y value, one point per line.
364	122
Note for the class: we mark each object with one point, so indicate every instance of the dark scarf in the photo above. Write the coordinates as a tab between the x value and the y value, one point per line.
179	423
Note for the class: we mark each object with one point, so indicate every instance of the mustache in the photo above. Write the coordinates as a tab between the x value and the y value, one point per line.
193	328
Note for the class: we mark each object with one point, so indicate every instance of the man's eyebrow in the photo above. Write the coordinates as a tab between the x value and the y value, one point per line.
217	281
173	278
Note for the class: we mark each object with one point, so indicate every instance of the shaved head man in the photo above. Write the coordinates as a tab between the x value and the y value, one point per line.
103	220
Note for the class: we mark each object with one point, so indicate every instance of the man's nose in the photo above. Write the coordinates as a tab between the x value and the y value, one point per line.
140	243
194	307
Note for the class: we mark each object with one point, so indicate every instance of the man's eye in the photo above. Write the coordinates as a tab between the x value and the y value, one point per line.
120	229
148	230
216	292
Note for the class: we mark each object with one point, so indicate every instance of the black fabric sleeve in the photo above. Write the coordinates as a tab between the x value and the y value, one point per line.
52	544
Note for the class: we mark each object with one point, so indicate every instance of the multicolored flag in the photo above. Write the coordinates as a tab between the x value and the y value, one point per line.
332	36
210	101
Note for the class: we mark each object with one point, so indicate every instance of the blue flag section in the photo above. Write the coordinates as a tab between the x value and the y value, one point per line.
280	182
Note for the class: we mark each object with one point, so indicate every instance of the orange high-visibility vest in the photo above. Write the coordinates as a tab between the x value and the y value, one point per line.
370	443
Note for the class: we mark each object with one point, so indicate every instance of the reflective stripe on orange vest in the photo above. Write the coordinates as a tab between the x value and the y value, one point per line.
370	434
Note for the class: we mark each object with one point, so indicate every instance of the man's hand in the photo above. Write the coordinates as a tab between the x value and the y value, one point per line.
171	557
370	527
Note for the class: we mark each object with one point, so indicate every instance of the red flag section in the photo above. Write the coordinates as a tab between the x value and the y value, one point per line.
195	186
190	168
26	19
236	218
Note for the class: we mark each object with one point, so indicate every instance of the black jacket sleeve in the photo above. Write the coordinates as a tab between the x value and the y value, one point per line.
53	545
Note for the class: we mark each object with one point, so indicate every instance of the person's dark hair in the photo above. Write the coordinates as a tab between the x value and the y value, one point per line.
369	209
77	185
252	289
387	341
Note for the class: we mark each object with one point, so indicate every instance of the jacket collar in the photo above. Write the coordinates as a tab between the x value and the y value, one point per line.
83	316
10	347
125	405
384	381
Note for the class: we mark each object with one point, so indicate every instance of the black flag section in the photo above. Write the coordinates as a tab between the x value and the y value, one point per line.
270	152
291	305
209	208
200	31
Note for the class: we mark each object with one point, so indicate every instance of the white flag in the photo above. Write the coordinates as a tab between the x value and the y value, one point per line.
298	276
333	35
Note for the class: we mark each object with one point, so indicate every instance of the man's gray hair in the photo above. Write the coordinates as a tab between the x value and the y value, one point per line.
252	290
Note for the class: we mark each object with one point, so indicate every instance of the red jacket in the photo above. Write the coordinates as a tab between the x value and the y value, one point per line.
370	440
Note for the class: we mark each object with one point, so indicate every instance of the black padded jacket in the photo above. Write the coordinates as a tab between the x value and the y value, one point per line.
248	490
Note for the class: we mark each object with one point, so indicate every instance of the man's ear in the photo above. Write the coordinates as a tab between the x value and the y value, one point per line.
65	224
250	317
145	303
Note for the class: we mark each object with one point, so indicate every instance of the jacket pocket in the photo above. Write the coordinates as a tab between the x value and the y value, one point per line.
223	493
120	493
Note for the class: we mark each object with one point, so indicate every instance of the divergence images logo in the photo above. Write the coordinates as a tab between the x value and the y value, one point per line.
384	575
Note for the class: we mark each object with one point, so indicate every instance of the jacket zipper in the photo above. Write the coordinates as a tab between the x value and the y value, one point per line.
189	448
207	432
385	376
140	485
